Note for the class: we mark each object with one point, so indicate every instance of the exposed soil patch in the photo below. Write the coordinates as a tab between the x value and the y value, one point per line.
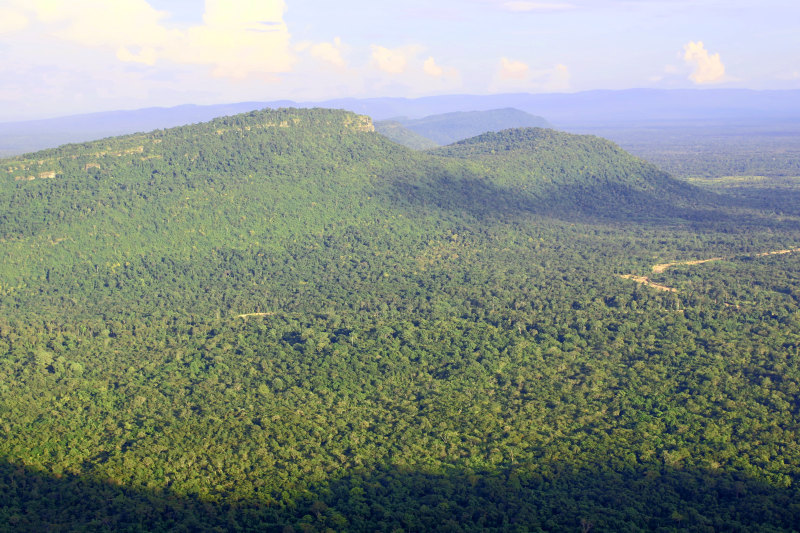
270	313
658	269
646	281
661	267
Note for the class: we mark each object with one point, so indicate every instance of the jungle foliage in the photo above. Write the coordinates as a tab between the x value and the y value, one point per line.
284	321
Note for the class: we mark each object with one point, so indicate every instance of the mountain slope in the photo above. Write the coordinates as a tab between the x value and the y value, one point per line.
568	175
184	200
284	192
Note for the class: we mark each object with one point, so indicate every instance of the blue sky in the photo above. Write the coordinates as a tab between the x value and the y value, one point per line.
60	57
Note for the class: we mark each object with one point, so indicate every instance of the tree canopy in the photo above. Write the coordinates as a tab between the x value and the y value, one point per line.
282	320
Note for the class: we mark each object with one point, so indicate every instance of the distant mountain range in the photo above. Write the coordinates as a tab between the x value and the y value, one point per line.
399	133
578	112
448	128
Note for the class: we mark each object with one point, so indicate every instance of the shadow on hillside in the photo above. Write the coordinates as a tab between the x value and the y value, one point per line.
395	499
619	203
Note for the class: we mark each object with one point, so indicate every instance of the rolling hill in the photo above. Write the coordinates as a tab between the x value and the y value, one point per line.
276	183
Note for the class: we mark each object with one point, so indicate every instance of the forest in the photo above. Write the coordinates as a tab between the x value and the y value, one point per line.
284	321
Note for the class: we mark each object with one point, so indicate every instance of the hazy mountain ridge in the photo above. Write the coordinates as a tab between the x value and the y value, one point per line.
592	109
399	133
447	128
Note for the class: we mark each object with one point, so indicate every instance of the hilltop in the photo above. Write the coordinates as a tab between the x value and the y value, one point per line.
569	175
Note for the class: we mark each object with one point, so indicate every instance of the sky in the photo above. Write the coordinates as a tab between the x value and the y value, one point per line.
62	57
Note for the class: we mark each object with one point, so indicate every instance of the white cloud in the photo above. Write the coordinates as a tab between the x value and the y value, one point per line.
99	23
406	70
446	75
329	52
558	78
12	20
668	72
707	68
147	55
431	68
513	70
522	6
392	60
514	75
236	39
247	15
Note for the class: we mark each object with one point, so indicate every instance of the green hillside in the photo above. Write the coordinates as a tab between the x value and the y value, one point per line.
104	223
569	174
284	321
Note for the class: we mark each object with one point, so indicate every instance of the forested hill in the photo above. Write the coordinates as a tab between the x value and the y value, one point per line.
108	219
283	128
283	321
572	175
85	220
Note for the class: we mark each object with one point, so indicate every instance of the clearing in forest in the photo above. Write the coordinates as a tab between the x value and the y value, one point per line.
646	281
661	267
269	313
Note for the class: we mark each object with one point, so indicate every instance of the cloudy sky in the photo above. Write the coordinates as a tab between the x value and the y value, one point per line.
60	57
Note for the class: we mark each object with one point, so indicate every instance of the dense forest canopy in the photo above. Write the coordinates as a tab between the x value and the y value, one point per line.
282	320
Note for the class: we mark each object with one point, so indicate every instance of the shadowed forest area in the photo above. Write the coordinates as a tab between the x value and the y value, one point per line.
390	499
